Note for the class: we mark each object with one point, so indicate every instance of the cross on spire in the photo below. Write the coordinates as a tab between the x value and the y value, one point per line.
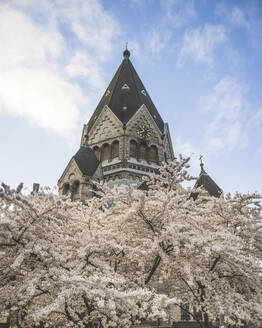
201	161
126	53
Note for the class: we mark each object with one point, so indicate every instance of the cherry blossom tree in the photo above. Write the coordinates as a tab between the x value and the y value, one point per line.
55	266
129	255
205	253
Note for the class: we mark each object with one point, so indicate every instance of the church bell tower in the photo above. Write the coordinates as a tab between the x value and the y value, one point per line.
124	139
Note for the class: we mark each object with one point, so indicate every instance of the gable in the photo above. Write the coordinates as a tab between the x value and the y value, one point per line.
143	117
71	168
107	126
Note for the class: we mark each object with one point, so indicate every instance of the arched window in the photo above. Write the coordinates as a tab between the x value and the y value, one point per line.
105	152
133	149
97	152
153	154
115	149
185	316
66	188
75	192
142	152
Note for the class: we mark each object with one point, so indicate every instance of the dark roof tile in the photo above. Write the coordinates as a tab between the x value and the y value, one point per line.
86	160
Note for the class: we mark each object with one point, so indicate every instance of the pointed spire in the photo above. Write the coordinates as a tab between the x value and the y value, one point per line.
126	91
126	52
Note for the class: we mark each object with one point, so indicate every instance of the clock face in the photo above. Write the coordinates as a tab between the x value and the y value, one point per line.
143	131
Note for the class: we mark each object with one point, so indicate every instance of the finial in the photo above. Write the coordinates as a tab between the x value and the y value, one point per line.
86	141
126	53
85	136
201	162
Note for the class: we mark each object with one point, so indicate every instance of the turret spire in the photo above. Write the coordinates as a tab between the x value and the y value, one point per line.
205	181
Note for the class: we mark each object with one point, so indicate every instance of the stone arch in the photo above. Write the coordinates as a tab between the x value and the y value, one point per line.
66	189
153	154
115	149
76	190
133	149
97	152
105	153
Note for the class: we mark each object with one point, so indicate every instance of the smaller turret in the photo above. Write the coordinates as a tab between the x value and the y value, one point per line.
205	181
82	169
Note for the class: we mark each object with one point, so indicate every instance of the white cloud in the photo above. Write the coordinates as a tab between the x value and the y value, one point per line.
92	25
228	108
47	47
256	120
234	15
178	12
186	148
239	18
157	41
44	98
84	66
199	44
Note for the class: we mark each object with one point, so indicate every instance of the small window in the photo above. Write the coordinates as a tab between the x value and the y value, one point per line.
66	189
115	149
125	87
133	149
97	152
105	152
76	189
185	316
153	154
197	314
143	152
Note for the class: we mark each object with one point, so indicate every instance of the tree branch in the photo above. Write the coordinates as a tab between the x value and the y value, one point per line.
154	267
214	263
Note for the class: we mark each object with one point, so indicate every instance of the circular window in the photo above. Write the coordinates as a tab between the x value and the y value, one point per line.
71	176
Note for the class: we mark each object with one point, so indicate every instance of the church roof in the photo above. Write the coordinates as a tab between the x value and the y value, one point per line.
205	181
125	95
86	160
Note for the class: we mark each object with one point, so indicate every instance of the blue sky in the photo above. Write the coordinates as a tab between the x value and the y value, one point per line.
199	60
